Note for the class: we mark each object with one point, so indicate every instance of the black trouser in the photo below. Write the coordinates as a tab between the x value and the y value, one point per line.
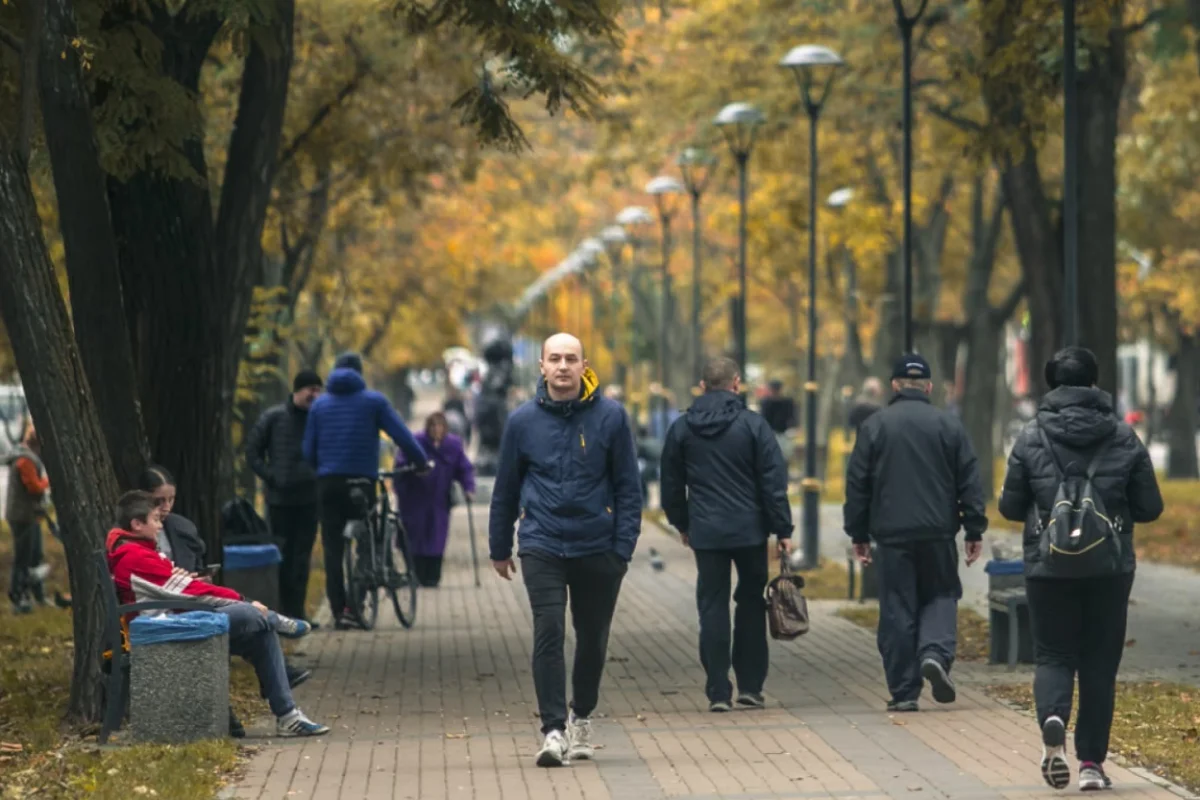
295	527
428	570
27	554
749	653
1079	627
337	508
919	591
593	583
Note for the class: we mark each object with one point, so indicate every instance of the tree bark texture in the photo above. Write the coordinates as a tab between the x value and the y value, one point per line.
93	272
57	390
1182	418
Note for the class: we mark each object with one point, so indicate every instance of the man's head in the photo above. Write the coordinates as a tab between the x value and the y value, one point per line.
872	389
138	514
721	375
306	387
349	361
1072	366
911	371
775	387
562	364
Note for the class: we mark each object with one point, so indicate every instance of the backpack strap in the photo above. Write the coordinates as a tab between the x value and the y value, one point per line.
1050	449
1095	462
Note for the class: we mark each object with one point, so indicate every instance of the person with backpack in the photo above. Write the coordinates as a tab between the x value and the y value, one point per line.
24	508
912	482
1079	479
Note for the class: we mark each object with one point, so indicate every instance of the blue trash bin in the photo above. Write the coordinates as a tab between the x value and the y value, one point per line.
1005	574
253	571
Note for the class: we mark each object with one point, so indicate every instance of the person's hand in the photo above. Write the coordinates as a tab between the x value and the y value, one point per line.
785	546
179	571
974	551
261	608
863	551
683	537
425	468
505	569
469	495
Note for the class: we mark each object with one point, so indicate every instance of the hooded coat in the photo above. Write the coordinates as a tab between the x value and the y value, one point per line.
724	480
424	500
1077	420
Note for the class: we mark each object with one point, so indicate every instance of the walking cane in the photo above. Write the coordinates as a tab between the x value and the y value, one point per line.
471	534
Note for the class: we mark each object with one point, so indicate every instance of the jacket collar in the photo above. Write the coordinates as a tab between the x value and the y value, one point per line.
909	394
565	408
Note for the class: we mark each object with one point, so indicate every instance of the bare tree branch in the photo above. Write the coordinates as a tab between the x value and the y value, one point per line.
1151	17
949	115
1008	307
361	70
10	41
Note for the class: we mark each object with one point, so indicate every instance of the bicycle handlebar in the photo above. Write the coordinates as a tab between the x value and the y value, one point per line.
407	469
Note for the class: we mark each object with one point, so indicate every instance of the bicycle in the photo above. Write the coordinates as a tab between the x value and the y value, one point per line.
370	557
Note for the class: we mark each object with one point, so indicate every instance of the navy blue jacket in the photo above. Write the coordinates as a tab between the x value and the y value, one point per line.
342	434
568	470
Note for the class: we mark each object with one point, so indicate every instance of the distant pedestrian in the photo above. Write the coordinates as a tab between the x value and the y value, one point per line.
24	508
425	500
869	401
1076	458
568	472
274	450
779	411
911	484
724	488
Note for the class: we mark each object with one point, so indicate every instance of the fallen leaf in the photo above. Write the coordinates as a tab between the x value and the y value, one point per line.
11	747
456	735
1131	643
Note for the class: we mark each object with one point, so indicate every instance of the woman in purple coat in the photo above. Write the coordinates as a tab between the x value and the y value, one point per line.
425	500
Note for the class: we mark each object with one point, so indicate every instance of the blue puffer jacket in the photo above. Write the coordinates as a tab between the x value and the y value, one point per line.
342	434
569	471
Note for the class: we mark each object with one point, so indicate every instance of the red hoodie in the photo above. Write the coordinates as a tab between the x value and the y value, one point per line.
140	573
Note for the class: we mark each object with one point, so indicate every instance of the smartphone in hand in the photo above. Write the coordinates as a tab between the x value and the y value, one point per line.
210	571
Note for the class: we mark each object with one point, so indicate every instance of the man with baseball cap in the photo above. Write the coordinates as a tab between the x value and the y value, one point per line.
911	484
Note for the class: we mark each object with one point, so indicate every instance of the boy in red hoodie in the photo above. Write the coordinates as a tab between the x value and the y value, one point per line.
140	572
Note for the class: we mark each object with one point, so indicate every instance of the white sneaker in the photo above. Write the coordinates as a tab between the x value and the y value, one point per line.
40	572
1055	769
579	734
554	750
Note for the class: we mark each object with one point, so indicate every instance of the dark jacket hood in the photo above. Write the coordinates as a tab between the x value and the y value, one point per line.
564	408
345	381
1077	416
713	413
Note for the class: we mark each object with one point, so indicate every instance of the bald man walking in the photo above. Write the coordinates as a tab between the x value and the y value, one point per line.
568	471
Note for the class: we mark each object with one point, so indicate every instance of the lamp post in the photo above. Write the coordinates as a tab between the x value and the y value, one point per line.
838	200
907	22
1070	179
633	219
664	189
614	239
696	164
814	68
739	122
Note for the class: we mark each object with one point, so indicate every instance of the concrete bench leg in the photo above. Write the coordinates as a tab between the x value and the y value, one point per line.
1014	635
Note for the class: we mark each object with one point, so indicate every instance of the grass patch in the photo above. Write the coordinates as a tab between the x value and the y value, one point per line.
973	634
1156	726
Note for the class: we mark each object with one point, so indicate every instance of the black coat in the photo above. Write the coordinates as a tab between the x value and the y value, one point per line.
187	548
1077	421
779	411
274	451
724	480
913	476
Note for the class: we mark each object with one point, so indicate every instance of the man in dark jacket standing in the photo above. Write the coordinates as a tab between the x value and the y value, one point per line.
724	488
912	482
568	471
1078	620
275	452
341	440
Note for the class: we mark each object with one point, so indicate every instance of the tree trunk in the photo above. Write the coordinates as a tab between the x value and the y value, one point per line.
889	334
93	274
979	394
56	388
1100	88
1182	418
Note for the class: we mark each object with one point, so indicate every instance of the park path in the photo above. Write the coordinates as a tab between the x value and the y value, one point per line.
447	710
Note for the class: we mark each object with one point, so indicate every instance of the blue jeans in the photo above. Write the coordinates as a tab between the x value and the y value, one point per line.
252	636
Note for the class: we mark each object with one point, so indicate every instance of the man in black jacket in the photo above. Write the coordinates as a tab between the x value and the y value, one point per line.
912	482
273	450
724	488
1078	621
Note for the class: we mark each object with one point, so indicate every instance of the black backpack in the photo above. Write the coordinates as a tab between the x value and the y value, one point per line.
1078	539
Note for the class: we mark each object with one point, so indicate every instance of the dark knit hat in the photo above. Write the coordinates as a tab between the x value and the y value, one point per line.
911	366
306	378
349	361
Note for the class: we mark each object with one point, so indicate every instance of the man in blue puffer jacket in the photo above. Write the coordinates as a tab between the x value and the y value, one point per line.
568	470
341	441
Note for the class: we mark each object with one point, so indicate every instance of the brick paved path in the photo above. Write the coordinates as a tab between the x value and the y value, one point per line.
447	711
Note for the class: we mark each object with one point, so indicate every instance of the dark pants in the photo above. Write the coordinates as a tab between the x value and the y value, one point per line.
27	554
337	508
919	591
592	583
1079	628
749	652
295	527
428	570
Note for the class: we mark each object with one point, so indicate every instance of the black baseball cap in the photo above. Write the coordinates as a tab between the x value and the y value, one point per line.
911	366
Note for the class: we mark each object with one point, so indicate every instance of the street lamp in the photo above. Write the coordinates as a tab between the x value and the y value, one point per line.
814	68
838	200
907	22
696	164
614	239
739	122
633	219
664	189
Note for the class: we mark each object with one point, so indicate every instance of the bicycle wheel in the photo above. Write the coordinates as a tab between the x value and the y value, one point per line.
369	568
402	579
362	597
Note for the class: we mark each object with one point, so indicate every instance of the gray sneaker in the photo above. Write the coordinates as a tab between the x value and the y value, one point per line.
579	739
751	700
1092	778
939	681
1055	769
903	706
720	706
